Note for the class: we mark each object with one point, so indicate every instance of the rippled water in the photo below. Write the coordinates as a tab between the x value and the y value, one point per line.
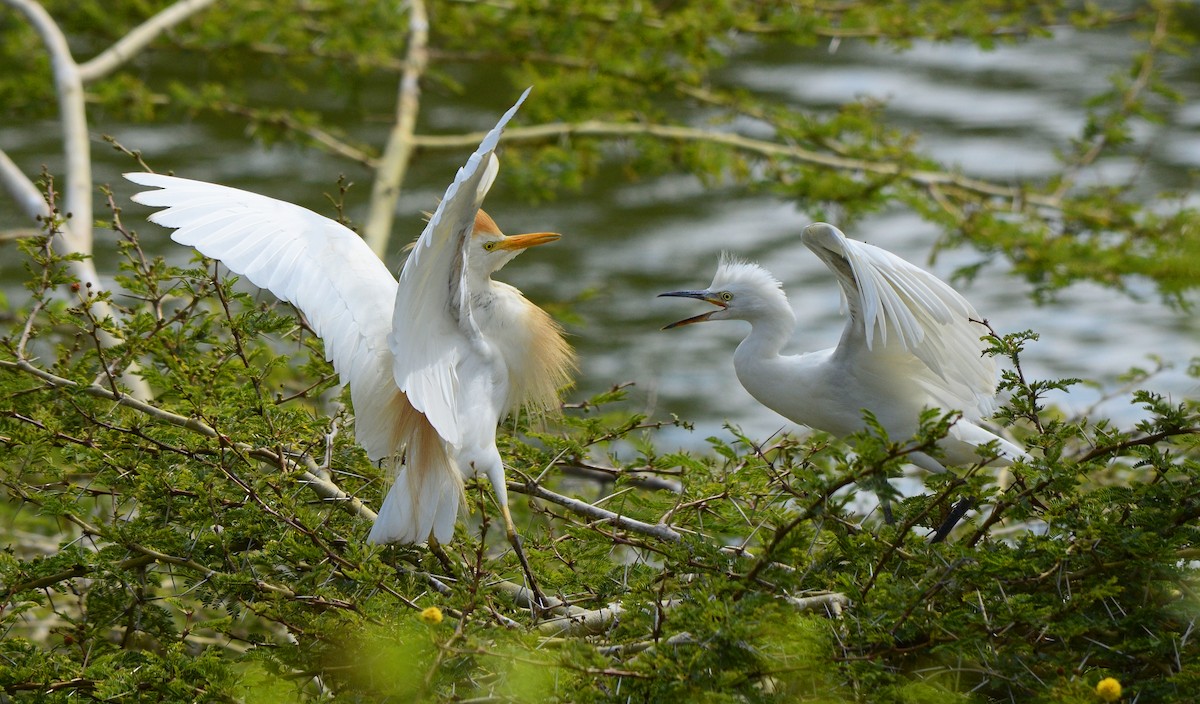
997	115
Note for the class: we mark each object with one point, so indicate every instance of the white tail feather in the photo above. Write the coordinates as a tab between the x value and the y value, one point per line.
425	498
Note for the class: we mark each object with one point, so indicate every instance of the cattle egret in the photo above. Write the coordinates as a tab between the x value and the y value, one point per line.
911	343
434	360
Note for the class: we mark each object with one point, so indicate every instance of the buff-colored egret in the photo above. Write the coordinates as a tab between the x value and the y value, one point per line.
433	360
911	343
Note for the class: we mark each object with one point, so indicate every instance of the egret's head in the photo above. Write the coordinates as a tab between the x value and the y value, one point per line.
740	290
496	249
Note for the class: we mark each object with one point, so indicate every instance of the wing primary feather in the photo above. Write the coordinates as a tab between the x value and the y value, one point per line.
316	264
896	306
432	327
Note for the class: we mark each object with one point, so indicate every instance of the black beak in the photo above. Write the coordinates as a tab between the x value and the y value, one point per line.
701	295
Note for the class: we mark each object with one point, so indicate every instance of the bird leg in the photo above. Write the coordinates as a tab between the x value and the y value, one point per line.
885	504
884	491
538	601
956	514
436	548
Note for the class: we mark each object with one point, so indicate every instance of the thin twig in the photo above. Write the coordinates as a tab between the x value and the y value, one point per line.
1151	439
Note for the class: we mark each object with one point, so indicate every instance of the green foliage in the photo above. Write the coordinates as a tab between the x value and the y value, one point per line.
178	552
210	545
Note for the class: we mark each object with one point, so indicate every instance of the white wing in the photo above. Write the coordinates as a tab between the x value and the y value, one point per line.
321	267
898	307
432	326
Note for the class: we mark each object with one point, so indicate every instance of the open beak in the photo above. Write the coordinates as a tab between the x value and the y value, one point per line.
701	295
533	239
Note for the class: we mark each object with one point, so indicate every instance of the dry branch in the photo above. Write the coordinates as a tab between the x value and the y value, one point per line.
396	155
139	38
660	530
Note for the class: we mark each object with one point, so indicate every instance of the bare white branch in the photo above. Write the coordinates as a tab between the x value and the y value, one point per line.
138	38
660	530
591	622
22	190
586	623
832	604
684	638
523	598
394	163
77	235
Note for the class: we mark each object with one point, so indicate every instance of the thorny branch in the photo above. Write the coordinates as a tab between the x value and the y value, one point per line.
326	488
595	128
660	531
323	488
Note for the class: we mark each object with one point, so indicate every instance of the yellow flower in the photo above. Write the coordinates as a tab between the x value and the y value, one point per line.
433	616
1109	689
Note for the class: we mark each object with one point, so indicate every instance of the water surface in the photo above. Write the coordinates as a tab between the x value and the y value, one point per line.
999	115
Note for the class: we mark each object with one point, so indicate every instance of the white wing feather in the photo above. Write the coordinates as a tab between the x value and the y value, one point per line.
898	307
321	267
432	324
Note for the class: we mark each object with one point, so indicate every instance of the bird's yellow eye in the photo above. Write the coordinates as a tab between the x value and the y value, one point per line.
490	245
726	296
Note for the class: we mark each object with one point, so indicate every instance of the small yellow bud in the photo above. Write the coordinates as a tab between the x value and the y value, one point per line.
433	616
1109	689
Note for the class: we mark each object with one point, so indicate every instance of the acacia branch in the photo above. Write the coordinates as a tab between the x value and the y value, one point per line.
72	573
139	38
322	487
398	152
832	604
68	85
75	234
610	475
323	138
1129	100
22	190
660	531
760	147
522	596
149	555
1151	439
585	623
830	25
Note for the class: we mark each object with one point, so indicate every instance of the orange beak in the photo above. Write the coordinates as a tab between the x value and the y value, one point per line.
533	239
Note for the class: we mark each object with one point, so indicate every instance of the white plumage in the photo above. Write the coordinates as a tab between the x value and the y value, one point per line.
911	343
433	360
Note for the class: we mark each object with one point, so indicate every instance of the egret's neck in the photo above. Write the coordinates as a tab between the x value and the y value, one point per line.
770	330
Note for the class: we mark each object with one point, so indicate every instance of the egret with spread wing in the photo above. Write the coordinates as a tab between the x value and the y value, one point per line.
911	343
433	360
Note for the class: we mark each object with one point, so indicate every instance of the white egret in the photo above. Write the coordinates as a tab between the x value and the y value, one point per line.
433	360
911	344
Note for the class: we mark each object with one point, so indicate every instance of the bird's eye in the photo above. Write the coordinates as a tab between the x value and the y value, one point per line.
489	246
726	296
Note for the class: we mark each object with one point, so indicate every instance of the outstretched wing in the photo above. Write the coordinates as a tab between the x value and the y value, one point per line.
321	267
432	326
896	307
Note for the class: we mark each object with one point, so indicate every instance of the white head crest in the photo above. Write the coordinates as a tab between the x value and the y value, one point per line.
732	272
